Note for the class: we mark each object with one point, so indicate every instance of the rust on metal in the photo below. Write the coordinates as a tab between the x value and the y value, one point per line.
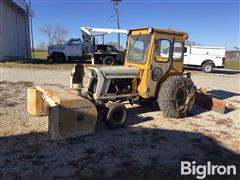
209	103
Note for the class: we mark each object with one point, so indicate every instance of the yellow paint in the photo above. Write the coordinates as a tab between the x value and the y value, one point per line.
176	67
144	67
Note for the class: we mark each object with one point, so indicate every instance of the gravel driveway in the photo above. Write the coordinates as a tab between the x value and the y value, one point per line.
151	147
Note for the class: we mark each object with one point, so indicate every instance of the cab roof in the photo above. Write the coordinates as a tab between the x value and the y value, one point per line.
164	31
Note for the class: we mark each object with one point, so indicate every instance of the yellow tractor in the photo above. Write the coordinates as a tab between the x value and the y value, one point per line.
153	71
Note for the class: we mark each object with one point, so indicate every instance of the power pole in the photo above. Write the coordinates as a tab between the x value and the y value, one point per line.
116	2
31	29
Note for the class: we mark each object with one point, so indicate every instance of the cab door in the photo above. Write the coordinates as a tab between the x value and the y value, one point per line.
167	60
178	56
160	63
74	48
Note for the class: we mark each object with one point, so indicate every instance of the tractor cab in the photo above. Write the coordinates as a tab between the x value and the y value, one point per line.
158	53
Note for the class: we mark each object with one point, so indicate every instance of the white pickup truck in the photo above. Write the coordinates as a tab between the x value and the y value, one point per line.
205	57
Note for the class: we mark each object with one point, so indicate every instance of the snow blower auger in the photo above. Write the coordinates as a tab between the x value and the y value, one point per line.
153	70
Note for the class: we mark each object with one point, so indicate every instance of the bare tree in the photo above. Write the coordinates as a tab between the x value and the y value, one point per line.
42	46
169	28
59	34
47	30
55	35
188	42
192	43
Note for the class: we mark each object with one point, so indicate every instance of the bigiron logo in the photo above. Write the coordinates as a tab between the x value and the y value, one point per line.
202	171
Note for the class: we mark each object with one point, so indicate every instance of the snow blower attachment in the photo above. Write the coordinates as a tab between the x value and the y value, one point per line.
69	114
208	102
153	70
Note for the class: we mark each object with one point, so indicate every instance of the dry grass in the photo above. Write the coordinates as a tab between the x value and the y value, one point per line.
233	64
40	54
40	64
36	66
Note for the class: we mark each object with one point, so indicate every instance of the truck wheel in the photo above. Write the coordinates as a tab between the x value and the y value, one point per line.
176	96
116	116
207	67
109	60
59	58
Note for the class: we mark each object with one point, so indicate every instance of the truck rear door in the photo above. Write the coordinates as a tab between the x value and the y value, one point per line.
186	55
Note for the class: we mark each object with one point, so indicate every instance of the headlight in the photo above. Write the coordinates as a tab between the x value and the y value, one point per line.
150	29
94	74
156	74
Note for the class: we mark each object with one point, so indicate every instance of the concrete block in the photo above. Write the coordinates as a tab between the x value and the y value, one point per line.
70	115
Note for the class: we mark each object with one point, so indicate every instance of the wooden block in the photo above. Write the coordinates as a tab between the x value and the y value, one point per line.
35	102
63	97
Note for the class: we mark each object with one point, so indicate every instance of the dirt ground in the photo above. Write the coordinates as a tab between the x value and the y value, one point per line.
151	147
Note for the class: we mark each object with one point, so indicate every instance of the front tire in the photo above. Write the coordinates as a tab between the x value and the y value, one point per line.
116	116
176	96
207	67
59	58
109	60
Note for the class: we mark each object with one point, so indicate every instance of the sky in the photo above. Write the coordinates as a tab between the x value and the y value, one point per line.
209	22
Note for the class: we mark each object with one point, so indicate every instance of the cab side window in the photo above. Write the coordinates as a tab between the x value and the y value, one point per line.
75	43
110	49
178	51
162	53
101	48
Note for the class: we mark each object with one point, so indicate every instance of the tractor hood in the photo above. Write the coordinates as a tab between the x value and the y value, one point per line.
117	71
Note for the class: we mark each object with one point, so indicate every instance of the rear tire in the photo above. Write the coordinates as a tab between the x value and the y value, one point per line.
109	60
59	58
207	67
176	96
116	116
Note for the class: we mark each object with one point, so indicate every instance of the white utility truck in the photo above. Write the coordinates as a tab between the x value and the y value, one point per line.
72	50
86	48
205	57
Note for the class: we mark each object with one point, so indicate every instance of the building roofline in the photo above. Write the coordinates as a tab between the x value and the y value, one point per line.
21	4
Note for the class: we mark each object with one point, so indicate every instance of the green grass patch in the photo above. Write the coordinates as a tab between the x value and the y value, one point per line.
232	64
40	54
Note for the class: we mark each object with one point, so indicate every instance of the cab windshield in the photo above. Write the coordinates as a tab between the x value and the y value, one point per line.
138	48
